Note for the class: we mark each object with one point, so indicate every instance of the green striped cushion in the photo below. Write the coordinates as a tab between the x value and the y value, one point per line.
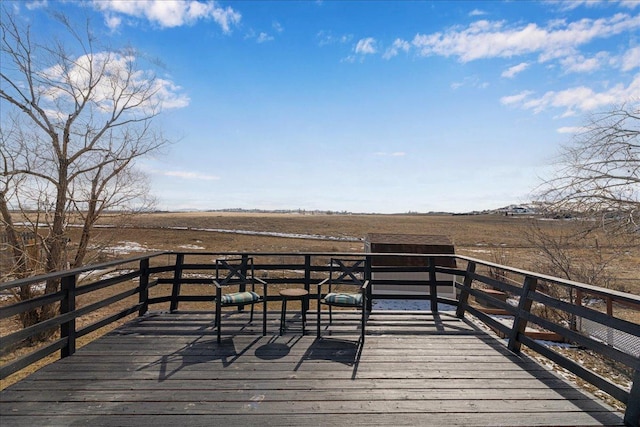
343	299
240	297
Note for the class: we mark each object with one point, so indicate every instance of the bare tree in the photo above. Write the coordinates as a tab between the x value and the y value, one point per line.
75	118
599	174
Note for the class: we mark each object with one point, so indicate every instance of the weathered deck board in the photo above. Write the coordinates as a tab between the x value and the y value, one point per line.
168	369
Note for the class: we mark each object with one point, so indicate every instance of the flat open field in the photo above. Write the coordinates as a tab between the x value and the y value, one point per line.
488	237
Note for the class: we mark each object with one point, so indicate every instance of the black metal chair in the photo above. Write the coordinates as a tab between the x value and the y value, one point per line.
238	272
344	273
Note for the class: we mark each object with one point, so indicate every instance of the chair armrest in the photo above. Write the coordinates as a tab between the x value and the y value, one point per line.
217	284
264	288
365	285
319	288
319	285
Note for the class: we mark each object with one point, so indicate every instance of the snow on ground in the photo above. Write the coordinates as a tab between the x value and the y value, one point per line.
408	305
276	234
125	247
191	247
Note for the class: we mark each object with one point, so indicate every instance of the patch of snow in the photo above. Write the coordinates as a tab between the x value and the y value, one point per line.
37	287
276	234
125	247
408	305
479	251
192	247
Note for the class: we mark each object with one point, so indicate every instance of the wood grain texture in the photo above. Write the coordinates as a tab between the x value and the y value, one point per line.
414	369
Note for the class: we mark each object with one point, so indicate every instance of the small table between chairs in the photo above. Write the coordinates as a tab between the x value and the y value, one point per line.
293	294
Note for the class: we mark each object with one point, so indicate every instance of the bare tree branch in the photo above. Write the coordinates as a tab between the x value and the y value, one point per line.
77	119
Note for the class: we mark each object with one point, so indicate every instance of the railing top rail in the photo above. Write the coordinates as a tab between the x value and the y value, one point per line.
622	296
63	273
569	283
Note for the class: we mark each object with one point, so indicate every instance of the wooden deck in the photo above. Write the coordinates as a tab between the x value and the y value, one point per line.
414	369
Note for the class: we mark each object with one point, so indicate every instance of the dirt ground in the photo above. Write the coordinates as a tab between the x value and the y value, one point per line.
495	238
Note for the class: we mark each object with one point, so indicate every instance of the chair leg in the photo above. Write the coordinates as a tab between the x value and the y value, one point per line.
283	313
218	319
304	315
364	322
318	319
251	316
264	317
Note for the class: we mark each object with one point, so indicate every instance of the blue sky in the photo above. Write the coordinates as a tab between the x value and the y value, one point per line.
368	106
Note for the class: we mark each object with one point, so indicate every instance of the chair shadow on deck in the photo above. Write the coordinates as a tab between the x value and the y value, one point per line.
196	352
273	350
347	352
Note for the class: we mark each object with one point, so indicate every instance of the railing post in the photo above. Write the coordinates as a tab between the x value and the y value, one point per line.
177	279
244	270
367	276
433	285
143	291
307	280
68	305
520	323
632	414
464	295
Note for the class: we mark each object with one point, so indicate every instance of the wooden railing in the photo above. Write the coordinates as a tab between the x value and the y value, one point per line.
165	280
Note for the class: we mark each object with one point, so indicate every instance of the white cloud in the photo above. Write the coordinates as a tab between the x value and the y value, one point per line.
394	154
277	26
191	175
631	59
366	46
477	12
327	37
106	91
494	39
168	95
472	81
570	129
515	99
168	13
264	37
574	4
575	99
631	4
112	21
36	4
580	64
398	45
516	69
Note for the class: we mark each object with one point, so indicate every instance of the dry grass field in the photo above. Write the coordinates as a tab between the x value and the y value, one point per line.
487	237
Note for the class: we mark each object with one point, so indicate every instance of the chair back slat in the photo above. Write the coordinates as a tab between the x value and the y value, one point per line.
346	271
234	271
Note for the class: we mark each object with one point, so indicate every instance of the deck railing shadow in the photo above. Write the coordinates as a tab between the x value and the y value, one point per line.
195	353
337	350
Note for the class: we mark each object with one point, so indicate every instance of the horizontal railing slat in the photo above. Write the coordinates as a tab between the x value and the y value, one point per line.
105	283
107	320
24	361
583	340
587	313
587	375
24	306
